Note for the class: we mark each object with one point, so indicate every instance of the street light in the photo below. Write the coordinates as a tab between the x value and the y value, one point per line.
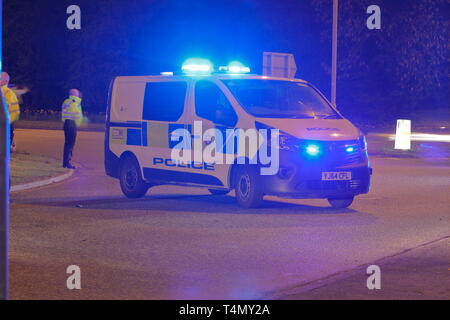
334	51
4	185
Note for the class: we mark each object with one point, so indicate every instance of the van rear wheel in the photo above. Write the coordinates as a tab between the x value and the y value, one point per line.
131	182
248	192
340	203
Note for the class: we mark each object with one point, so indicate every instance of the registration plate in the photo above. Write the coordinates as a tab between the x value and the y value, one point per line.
341	175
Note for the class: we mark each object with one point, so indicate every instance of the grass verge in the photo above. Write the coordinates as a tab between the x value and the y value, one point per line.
26	167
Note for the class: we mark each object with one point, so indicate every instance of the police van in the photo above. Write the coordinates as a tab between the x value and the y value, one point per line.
320	154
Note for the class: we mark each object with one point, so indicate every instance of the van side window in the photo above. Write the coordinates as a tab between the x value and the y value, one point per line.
212	104
164	101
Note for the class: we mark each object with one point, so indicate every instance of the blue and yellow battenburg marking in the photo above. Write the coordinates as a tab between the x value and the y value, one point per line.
158	135
141	133
146	134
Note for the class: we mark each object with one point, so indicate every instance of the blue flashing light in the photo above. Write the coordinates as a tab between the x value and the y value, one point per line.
350	149
197	66
312	150
235	67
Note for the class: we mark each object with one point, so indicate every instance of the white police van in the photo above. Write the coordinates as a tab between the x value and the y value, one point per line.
319	153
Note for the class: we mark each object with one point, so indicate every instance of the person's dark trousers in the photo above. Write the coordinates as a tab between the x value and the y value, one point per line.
70	134
11	134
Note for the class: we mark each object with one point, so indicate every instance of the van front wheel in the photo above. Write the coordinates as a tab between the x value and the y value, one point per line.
131	182
340	202
248	191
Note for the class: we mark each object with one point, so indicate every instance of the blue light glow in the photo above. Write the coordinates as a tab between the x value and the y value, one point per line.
197	66
312	150
235	67
350	149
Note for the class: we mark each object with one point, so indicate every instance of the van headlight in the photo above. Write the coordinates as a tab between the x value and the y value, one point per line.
307	148
285	140
288	142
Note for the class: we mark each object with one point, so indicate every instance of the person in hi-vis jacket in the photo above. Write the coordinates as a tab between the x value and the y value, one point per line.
72	117
13	106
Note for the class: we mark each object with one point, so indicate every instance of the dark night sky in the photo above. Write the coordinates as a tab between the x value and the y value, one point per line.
154	36
149	36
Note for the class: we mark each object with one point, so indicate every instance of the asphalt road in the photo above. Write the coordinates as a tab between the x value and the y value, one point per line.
182	243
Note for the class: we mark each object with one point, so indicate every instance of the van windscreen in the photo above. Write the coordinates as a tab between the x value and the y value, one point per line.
280	99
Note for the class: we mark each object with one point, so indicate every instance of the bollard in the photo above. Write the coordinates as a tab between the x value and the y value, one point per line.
403	135
4	185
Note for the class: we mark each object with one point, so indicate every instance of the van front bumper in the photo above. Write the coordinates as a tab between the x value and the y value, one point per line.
303	179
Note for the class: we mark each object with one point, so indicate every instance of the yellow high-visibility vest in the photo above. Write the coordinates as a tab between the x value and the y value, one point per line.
71	110
13	104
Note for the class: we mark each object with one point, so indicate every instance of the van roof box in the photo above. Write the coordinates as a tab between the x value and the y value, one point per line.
277	64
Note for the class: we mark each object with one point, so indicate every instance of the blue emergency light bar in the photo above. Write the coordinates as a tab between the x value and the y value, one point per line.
197	66
203	66
234	68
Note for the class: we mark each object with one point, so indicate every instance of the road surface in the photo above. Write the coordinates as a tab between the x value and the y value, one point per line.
182	243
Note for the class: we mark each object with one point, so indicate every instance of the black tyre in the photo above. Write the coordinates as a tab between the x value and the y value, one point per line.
340	202
248	191
131	182
218	192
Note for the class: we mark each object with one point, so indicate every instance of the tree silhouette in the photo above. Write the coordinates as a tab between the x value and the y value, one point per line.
395	70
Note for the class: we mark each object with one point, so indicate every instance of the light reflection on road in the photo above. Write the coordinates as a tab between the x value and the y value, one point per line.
426	137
